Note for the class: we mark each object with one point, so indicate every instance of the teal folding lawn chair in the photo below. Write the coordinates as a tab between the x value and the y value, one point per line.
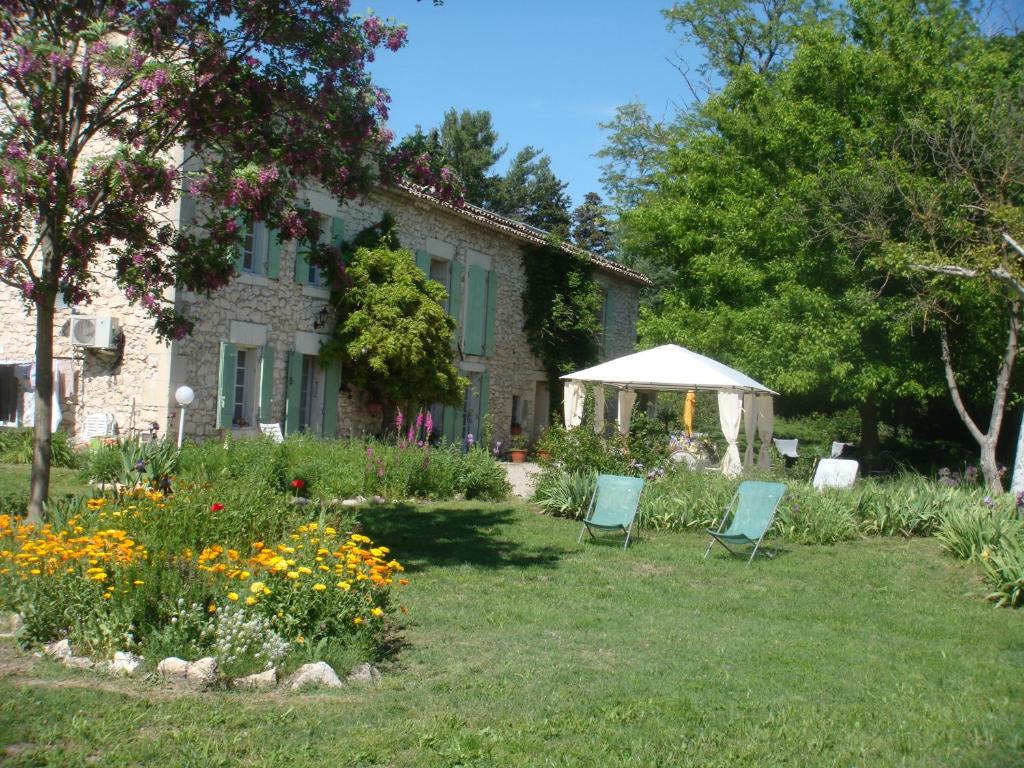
613	506
753	511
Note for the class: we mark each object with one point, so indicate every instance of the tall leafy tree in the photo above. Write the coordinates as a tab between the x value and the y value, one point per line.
97	96
591	229
759	34
746	212
632	152
530	192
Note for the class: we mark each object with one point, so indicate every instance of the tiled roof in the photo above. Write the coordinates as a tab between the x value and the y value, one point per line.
523	232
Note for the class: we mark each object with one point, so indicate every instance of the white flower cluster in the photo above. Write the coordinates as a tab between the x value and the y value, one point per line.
192	621
240	636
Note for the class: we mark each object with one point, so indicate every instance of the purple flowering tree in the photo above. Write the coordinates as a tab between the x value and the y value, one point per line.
105	102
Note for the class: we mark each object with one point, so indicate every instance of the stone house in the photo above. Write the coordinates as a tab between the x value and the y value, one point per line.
252	357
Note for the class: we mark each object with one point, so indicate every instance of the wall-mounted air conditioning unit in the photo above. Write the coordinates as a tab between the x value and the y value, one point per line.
94	332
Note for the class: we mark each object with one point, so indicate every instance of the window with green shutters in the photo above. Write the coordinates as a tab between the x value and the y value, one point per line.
332	230
245	385
311	396
481	310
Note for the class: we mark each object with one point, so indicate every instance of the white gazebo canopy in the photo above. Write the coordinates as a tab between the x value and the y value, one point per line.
671	368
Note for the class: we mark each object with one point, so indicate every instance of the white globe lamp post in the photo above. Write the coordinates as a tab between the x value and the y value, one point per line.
184	396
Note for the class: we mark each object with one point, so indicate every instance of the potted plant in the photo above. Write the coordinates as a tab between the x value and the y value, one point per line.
517	449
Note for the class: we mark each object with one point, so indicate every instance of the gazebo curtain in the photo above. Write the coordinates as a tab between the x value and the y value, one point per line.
573	403
598	409
749	417
730	409
765	428
627	399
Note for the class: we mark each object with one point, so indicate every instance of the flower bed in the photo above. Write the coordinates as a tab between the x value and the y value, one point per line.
177	576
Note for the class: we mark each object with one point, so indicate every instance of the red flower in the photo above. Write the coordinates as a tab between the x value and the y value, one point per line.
217	507
298	483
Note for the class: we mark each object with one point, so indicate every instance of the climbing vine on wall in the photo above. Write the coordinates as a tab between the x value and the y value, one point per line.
562	305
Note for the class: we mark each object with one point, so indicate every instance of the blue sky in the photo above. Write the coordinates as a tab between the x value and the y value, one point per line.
548	72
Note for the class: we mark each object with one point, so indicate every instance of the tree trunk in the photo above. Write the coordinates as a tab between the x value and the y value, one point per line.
990	467
41	443
869	431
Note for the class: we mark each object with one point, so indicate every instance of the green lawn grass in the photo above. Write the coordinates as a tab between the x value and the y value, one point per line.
523	648
14	481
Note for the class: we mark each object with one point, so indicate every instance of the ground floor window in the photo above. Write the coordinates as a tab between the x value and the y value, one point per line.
311	403
244	413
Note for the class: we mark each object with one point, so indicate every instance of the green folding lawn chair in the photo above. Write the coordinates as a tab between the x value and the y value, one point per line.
613	506
753	511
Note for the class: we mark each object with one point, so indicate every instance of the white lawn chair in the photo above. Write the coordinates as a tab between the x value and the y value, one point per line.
838	448
787	448
273	431
98	425
835	473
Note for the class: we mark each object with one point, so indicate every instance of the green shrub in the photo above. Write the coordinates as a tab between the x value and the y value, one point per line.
480	477
970	530
685	499
565	494
809	516
1004	571
907	505
581	449
16	448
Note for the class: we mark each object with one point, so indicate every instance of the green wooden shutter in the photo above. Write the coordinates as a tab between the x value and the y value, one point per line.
273	254
491	312
226	385
267	384
301	263
293	393
609	316
484	397
455	302
423	262
337	232
476	309
239	243
452	419
332	381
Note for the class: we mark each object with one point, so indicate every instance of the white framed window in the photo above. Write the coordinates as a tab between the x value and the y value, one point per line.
316	276
311	398
471	405
246	387
441	271
255	244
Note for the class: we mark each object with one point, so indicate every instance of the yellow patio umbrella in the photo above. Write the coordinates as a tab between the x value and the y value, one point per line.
688	408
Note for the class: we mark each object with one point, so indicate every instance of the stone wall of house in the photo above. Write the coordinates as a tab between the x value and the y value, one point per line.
130	382
282	314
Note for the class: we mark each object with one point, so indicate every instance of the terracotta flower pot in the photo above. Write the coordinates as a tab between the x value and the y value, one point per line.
518	455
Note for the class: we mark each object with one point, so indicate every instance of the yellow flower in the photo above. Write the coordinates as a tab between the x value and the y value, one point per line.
344	585
244	575
357	620
292	575
378	612
985	554
250	600
319	587
256	587
211	608
305	571
138	582
232	596
35	571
